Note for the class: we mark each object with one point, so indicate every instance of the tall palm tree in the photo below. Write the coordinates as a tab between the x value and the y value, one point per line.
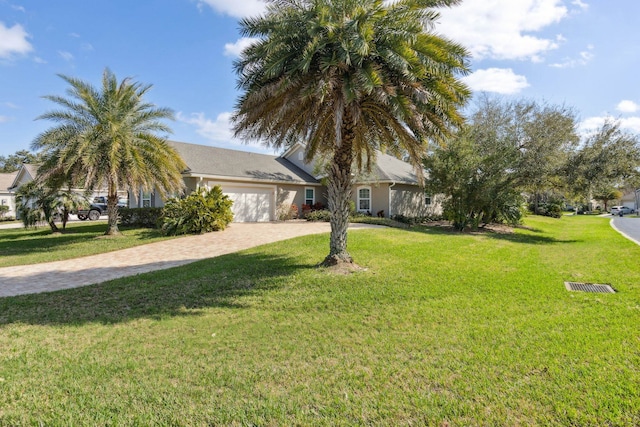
108	138
349	77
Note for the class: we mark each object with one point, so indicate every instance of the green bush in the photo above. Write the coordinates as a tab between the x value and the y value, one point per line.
141	217
552	209
200	212
321	215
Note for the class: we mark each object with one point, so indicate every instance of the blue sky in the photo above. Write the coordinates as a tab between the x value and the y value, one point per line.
581	53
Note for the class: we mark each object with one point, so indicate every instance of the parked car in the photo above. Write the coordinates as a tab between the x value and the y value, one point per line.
617	210
97	208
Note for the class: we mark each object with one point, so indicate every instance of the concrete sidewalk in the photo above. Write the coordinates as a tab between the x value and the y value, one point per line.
53	276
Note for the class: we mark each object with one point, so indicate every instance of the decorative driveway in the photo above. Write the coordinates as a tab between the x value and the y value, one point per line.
53	276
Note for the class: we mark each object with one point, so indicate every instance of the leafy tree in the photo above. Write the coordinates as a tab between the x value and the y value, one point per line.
12	162
608	158
107	138
200	212
540	136
349	77
475	175
606	194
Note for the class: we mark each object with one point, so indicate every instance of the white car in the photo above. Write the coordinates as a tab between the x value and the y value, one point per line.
617	210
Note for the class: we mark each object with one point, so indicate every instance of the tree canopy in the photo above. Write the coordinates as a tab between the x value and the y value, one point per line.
347	78
108	137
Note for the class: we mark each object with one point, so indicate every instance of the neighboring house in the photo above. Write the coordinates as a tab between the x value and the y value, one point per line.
7	196
263	187
631	199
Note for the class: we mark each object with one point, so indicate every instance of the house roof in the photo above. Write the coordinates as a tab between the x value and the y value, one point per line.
6	181
389	168
204	160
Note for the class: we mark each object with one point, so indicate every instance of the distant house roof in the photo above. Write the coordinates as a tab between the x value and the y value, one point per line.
203	160
6	181
27	172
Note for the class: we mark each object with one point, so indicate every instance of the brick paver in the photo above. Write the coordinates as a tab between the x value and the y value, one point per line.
53	276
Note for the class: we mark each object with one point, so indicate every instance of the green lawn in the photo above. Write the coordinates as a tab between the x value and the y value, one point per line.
442	329
19	246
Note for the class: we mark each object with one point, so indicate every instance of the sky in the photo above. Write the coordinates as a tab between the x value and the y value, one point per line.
584	54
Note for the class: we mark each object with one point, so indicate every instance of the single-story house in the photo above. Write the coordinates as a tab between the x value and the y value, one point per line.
7	196
263	186
631	199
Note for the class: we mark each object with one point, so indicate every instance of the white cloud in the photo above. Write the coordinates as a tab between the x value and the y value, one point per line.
627	106
235	49
584	58
67	56
236	8
498	28
219	131
582	5
4	119
214	130
498	80
13	41
591	124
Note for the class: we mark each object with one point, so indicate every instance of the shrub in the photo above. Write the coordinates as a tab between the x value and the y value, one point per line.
141	217
287	213
200	212
321	215
552	209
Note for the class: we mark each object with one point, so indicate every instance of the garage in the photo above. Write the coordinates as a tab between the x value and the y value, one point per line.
250	204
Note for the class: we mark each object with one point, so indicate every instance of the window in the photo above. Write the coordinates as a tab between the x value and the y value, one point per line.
364	199
4	202
309	196
427	199
146	199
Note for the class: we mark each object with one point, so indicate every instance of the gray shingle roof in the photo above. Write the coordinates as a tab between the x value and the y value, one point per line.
6	180
207	160
391	169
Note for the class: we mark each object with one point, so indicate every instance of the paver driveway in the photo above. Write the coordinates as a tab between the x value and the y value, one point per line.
53	276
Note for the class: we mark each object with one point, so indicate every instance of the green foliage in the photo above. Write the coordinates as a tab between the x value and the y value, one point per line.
141	217
474	175
349	77
12	162
551	208
3	211
319	215
108	137
608	159
200	212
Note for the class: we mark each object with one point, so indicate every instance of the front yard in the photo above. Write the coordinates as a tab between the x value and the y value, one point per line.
442	329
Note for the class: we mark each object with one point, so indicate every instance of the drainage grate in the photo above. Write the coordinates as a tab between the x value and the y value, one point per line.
589	287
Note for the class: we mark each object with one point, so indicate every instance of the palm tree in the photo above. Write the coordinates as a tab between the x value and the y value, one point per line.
37	203
108	138
349	77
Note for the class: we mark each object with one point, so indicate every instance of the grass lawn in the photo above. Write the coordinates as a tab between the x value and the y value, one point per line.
19	246
442	329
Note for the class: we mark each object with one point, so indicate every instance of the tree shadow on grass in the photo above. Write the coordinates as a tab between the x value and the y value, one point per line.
181	291
526	237
18	242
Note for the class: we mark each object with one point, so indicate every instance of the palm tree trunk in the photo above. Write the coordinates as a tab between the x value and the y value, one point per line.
339	196
112	212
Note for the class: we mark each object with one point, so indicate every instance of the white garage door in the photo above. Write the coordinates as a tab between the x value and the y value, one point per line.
250	204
